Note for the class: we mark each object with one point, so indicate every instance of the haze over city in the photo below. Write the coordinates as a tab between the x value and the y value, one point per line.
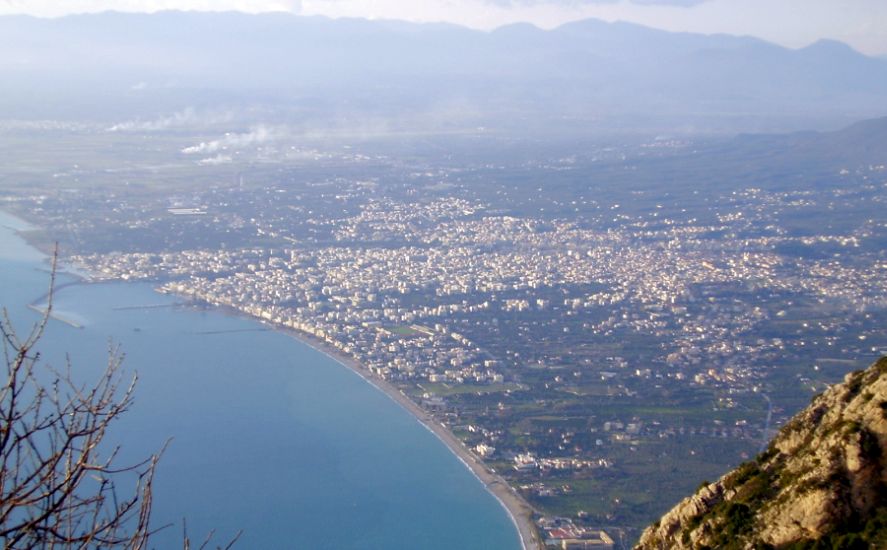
492	274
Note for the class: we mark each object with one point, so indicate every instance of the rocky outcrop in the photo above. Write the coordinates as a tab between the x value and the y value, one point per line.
821	483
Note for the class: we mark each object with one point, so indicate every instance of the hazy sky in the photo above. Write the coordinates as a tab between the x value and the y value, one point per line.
794	23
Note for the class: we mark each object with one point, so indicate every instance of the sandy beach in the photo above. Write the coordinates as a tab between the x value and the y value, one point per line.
520	511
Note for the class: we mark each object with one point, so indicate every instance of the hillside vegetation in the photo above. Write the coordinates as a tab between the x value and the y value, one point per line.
820	484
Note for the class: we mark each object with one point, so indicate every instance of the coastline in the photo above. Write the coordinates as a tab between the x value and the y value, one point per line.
519	511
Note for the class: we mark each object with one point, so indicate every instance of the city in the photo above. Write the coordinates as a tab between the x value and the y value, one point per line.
666	337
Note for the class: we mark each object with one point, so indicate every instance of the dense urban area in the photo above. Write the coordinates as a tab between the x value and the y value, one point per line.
572	320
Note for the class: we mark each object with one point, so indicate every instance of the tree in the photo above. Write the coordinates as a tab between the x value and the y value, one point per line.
59	478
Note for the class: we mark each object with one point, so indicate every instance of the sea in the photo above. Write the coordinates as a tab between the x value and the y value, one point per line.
265	434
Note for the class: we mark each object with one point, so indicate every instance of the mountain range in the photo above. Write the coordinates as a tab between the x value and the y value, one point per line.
580	76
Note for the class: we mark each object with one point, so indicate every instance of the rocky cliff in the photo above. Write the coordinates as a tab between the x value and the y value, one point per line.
821	483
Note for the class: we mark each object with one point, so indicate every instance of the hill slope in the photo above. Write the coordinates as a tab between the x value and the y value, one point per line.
820	484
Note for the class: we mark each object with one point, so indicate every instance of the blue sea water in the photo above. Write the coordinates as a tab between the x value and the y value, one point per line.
268	435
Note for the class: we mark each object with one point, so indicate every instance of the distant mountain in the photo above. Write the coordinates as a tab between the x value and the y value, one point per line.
794	161
580	76
822	483
812	156
864	142
808	153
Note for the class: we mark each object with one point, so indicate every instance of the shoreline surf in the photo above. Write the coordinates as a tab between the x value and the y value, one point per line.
518	510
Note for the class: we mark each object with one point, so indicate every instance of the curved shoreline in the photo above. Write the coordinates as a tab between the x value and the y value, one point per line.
520	512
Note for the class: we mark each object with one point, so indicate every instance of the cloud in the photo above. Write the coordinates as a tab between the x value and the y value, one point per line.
185	118
580	3
215	161
54	8
256	136
681	3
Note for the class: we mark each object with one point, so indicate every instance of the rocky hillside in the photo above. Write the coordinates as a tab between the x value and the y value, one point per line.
822	482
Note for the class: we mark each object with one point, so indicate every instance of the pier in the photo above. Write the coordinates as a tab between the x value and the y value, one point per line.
55	316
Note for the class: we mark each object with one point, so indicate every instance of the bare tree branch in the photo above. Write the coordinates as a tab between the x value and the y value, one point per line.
59	478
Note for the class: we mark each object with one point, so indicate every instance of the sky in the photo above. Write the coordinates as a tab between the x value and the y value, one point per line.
792	23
